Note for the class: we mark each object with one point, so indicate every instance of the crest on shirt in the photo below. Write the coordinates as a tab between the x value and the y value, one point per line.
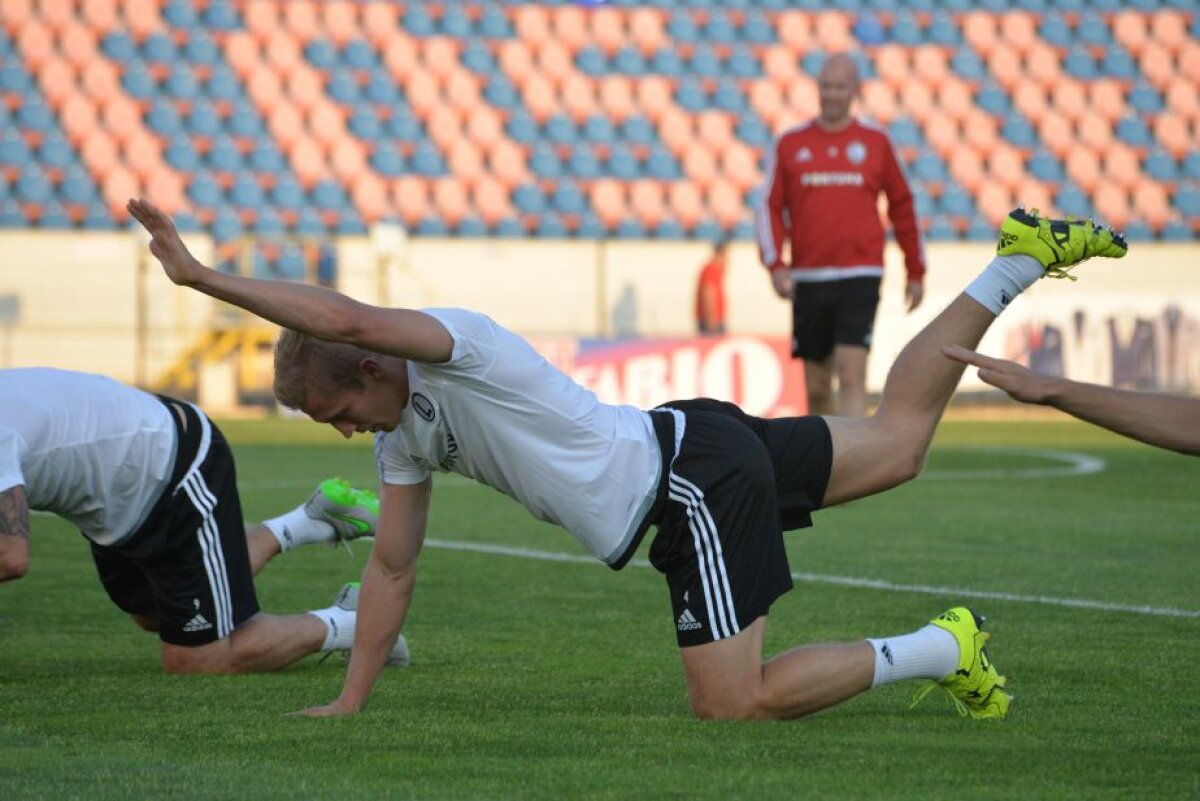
856	152
423	407
804	154
832	151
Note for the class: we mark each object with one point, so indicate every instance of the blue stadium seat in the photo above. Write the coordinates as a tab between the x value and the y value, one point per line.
1117	63
869	30
269	223
203	119
221	14
33	114
427	160
387	160
32	185
1079	63
629	61
329	196
1137	230
509	228
529	199
321	54
622	163
200	48
941	227
905	132
670	229
551	226
478	58
756	28
923	202
1017	131
630	228
1036	6
359	55
309	222
96	217
265	156
1070	199
742	63
682	27
719	28
244	119
590	227
180	14
54	216
729	96
522	128
403	125
994	100
812	62
204	191
752	131
14	152
560	129
1145	5
943	30
431	226
743	230
381	88
224	155
245	192
14	79
364	123
472	227
1191	166
162	118
583	162
456	22
494	23
927	166
1133	131
500	92
906	30
638	130
1093	30
544	161
568	198
667	62
980	230
599	128
290	266
1187	200
590	60
690	95
119	46
708	231
11	215
180	153
181	83
77	186
957	201
417	21
1177	231
222	84
1161	165
138	83
1056	31
1145	99
55	150
342	86
159	49
1045	166
186	222
661	164
966	64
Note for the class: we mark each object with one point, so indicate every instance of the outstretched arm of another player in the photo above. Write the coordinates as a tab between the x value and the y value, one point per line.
14	534
387	588
312	310
1167	421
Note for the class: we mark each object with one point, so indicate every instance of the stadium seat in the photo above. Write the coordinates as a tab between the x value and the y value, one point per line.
1161	166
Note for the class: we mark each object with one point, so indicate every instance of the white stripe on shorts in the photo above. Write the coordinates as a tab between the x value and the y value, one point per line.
209	536
711	558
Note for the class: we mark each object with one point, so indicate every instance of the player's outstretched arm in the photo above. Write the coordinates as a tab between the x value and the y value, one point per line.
312	310
14	534
1167	421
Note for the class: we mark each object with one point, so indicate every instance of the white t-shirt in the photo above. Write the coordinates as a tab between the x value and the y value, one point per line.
501	414
85	447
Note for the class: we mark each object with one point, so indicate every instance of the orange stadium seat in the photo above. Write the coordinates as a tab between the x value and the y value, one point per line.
410	198
1172	132
261	18
56	13
326	122
77	43
1019	29
400	55
779	64
15	14
286	124
540	99
35	43
243	53
943	134
766	100
100	81
308	161
78	116
608	28
1083	167
142	18
1043	64
553	59
1070	99
506	161
725	203
370	197
1189	61
1122	166
117	187
648	202
301	19
879	101
1130	30
484	126
954	98
646	30
491	200
1005	166
795	31
57	80
450	200
1112	206
444	126
99	15
516	59
893	64
465	161
339	20
981	131
99	152
616	97
1035	194
266	90
166	190
715	129
1152	204
1107	99
653	96
608	201
1056	132
1182	99
803	98
1095	133
380	23
531	22
283	52
578	93
569	26
1156	65
994	202
1005	65
700	165
143	153
966	167
980	31
423	93
832	30
462	92
121	117
1169	28
439	54
687	206
917	99
931	65
739	165
675	129
348	160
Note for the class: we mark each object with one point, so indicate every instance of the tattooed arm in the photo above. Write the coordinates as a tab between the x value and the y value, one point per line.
14	533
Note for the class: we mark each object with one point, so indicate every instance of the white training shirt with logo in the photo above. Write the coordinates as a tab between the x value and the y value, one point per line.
85	447
501	414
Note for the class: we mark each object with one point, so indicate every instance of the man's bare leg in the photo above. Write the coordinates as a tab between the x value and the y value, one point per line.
264	642
818	385
851	361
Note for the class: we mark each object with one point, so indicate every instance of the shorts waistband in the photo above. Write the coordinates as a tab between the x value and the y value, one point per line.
663	421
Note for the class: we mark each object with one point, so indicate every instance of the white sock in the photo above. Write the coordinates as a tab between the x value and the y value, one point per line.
339	624
1002	280
297	528
928	653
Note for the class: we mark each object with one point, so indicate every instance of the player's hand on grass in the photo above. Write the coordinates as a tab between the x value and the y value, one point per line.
178	262
327	711
1020	382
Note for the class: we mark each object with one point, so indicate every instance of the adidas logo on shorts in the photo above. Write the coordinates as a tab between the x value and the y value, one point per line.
687	621
197	623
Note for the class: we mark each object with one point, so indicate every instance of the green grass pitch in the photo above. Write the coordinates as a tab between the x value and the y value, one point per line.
559	679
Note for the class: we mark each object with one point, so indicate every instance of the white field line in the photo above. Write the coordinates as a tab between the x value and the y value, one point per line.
846	581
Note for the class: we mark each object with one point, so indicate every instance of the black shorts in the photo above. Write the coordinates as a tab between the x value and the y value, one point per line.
829	313
731	485
188	565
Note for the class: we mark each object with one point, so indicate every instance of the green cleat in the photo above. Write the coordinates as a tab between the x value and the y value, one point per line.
353	513
975	688
1058	245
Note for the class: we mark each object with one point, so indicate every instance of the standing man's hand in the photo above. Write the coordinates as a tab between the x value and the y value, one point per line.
177	261
781	280
914	293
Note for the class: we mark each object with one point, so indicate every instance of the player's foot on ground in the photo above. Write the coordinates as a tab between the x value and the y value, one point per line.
975	687
1058	245
348	599
353	513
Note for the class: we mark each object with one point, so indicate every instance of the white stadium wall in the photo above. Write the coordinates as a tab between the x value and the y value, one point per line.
97	302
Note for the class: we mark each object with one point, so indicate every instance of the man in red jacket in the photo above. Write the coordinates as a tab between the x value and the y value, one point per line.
820	196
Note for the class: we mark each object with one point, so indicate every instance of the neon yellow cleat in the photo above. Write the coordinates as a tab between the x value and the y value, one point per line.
976	688
1058	244
353	513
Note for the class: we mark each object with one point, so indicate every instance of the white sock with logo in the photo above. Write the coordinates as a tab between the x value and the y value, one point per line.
339	624
1002	280
297	528
928	653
